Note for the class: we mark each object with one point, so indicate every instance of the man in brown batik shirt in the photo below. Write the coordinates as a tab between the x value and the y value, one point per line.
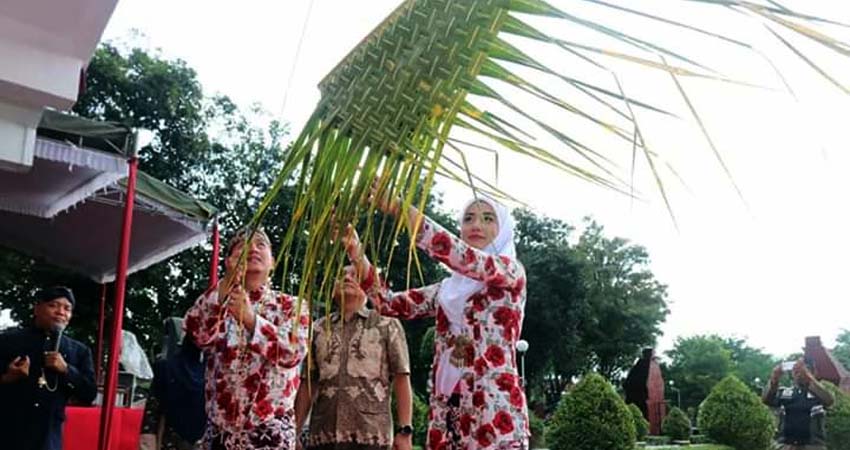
356	355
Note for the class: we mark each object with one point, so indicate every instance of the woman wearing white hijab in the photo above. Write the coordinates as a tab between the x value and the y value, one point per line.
477	400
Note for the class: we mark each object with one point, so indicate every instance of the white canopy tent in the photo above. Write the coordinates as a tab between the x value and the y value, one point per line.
66	209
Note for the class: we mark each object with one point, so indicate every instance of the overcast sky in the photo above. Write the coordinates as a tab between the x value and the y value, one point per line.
770	268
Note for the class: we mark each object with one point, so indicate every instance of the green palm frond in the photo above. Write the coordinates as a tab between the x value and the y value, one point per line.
439	80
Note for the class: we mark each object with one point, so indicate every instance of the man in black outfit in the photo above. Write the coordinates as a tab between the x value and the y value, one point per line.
802	414
36	380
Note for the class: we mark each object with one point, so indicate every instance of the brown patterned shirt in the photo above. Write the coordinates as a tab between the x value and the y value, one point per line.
353	366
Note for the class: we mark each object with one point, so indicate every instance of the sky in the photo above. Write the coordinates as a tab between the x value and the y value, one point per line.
766	265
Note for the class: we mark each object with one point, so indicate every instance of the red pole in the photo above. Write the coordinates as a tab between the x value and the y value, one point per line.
118	313
98	362
215	250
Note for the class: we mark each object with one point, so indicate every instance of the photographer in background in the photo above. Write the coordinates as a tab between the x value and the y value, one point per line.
802	415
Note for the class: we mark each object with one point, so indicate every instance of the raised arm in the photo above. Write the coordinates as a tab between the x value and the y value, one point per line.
410	304
413	303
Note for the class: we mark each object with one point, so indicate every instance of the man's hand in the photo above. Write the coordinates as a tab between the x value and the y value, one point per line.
239	307
402	442
18	369
55	362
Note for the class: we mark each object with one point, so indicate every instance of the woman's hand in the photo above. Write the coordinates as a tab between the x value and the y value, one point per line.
392	205
383	201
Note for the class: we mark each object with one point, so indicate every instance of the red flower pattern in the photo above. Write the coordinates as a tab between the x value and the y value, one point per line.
495	355
485	435
503	422
466	422
244	365
493	317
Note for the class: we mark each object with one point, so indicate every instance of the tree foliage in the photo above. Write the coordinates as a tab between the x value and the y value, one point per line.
627	304
838	419
842	348
698	363
591	306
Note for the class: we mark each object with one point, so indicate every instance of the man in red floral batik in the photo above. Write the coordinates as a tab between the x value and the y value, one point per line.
253	348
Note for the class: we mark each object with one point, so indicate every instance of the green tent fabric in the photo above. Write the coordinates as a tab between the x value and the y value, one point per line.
111	137
157	190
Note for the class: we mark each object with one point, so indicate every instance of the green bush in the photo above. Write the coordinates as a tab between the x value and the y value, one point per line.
641	424
676	425
420	420
591	417
838	420
538	430
733	415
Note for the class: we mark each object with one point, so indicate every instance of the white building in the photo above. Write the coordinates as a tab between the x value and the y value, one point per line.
44	47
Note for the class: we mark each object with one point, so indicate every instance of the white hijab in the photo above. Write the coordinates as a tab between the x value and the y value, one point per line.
456	290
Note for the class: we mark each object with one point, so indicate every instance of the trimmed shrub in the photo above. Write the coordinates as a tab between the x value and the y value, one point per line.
733	415
676	425
641	424
837	419
538	429
591	417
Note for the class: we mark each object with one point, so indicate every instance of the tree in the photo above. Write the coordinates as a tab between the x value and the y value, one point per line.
699	362
556	305
750	364
627	304
842	348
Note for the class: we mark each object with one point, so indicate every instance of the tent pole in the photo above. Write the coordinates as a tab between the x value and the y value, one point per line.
213	280
108	406
98	362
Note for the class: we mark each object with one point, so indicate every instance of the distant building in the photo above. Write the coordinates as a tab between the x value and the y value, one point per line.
826	366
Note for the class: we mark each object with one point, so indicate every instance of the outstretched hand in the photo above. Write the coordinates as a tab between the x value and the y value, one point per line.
354	251
382	200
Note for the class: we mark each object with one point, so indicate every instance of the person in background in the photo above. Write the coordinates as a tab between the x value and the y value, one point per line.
802	424
174	417
40	371
254	339
357	356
